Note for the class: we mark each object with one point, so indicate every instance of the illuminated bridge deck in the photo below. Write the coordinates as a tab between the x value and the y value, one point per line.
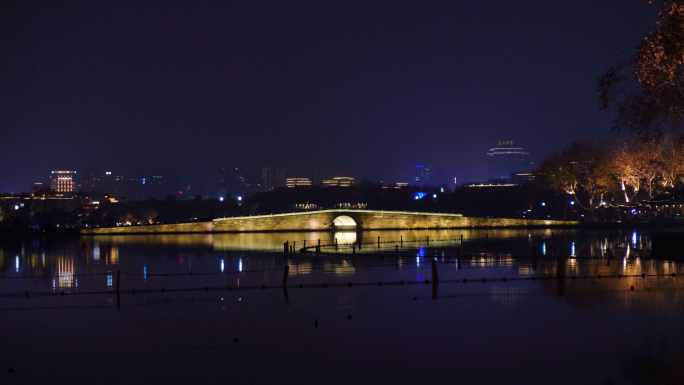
325	220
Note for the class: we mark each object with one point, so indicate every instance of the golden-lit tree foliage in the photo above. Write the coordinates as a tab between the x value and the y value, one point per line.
646	92
628	168
671	157
582	170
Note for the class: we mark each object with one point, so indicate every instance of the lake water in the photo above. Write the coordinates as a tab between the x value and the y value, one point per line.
211	309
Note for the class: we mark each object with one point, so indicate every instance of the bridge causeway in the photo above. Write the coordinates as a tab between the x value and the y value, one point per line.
337	219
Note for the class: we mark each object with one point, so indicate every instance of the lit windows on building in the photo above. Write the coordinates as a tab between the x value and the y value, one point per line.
306	206
506	159
295	182
348	205
62	182
422	174
341	181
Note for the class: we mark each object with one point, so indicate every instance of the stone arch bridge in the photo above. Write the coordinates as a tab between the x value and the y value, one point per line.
325	220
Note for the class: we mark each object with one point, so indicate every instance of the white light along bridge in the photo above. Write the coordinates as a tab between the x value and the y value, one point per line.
326	220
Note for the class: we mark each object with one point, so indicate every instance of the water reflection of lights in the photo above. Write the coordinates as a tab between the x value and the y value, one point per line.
240	264
345	236
96	251
65	272
544	248
115	256
16	263
572	249
110	281
223	266
301	268
145	273
634	239
339	269
506	295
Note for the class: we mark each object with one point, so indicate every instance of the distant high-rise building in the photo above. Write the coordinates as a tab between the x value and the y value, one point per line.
62	182
422	174
505	159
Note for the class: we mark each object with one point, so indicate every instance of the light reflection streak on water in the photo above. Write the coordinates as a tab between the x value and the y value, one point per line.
634	239
342	269
110	281
544	248
65	272
223	265
16	263
145	273
572	249
240	264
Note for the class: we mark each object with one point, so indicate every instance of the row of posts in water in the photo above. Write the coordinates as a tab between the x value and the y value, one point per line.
289	249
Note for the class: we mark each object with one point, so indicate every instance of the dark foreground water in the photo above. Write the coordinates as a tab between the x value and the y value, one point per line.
210	309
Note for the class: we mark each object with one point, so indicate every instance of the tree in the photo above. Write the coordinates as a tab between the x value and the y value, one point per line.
671	156
627	165
646	92
583	171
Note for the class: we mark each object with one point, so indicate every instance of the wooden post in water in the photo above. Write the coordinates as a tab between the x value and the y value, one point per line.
560	267
118	294
335	244
396	252
353	254
458	258
304	247
435	273
402	240
286	248
285	274
560	271
378	241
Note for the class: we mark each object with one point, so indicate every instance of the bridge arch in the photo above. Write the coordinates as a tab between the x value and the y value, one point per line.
344	222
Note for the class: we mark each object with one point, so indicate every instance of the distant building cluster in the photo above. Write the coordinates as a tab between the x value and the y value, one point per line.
508	164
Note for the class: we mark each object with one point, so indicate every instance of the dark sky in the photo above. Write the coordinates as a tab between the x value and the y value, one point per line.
360	88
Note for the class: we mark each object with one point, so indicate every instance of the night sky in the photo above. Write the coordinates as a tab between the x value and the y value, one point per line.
344	88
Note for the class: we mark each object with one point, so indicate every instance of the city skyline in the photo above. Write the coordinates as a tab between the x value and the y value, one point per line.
262	179
365	90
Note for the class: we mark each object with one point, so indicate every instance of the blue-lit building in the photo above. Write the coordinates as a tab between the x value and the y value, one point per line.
422	175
